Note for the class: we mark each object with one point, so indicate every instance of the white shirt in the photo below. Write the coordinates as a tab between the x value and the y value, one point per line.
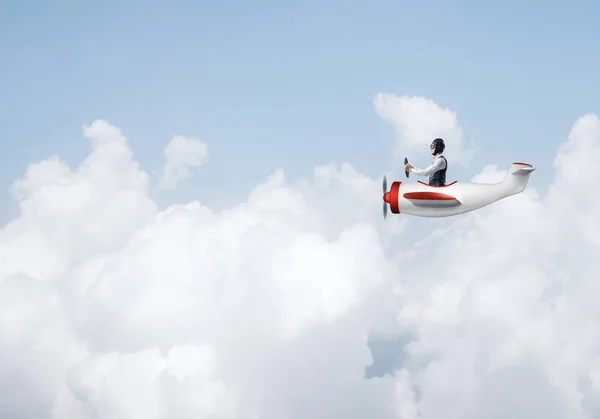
438	164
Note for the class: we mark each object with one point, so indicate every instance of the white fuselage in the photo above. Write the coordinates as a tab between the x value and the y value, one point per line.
471	196
457	198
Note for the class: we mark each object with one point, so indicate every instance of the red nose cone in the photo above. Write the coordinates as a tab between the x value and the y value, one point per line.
386	197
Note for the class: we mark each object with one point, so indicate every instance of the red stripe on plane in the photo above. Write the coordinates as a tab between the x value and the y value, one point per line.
429	196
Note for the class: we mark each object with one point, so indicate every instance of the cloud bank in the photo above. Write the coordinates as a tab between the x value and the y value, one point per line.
112	309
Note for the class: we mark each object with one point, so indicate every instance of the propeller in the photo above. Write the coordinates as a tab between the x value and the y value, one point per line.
385	205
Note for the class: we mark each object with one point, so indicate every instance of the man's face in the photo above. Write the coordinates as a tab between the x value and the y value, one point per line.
432	149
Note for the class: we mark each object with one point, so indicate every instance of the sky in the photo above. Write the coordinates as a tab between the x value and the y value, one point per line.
191	222
291	85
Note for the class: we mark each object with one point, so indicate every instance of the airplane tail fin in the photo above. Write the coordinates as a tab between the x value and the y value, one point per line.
517	177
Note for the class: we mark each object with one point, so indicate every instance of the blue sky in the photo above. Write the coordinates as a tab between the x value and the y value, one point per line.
290	84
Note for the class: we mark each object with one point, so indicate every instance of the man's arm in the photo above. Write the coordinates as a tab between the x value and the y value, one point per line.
438	164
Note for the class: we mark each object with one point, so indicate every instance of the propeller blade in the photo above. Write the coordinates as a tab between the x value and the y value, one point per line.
405	162
385	206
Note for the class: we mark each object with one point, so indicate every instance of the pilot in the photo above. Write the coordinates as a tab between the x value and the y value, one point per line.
437	170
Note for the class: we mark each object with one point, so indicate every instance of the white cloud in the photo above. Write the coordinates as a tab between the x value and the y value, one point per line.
146	384
417	121
490	174
181	154
110	309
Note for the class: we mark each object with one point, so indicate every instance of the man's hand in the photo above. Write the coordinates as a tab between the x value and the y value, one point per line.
407	167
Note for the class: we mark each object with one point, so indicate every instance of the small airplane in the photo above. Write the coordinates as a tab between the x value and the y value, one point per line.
423	200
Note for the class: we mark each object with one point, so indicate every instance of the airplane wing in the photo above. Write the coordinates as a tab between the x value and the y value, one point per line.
432	199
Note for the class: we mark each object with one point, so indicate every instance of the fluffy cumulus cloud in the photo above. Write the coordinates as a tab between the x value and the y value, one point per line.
417	120
110	308
182	154
489	174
